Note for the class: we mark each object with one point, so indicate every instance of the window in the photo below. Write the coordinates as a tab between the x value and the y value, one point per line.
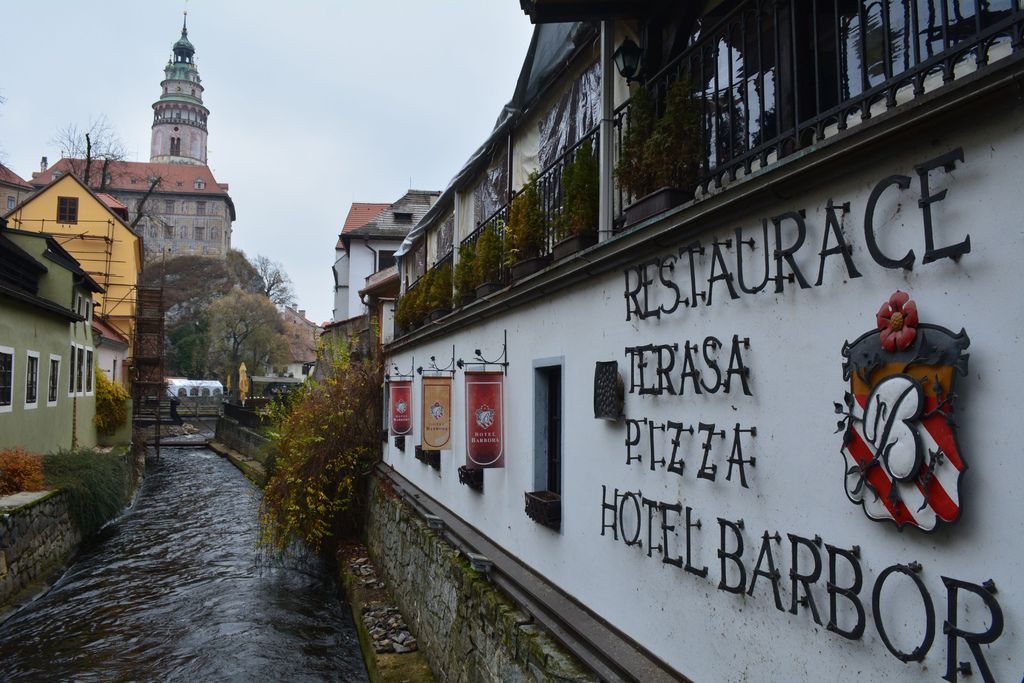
10	202
385	259
152	231
53	381
548	429
6	378
32	380
71	374
168	232
88	372
200	233
215	234
200	184
67	209
200	208
183	232
175	143
168	206
79	370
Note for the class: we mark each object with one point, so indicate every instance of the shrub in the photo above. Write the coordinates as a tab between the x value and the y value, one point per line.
488	255
20	471
634	174
439	296
581	185
671	153
111	404
465	270
96	485
526	232
327	442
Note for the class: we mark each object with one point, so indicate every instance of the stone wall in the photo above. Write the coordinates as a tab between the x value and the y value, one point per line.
249	443
36	539
469	630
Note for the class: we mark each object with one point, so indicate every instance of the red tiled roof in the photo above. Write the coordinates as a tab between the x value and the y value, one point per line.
110	201
11	178
107	331
174	178
359	215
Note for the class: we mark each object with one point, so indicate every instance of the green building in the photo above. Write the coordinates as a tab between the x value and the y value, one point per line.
47	356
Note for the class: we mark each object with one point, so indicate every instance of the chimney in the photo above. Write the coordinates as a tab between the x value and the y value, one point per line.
42	165
302	312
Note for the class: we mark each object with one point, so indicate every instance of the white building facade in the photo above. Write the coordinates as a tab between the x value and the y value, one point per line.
811	474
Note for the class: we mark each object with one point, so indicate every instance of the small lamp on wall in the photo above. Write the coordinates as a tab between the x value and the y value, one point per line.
627	59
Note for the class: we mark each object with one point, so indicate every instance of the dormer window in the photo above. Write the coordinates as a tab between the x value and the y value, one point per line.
200	184
403	216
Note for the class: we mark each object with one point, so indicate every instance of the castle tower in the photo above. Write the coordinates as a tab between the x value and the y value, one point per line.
179	117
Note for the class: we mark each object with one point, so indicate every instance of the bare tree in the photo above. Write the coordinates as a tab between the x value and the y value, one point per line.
277	286
83	146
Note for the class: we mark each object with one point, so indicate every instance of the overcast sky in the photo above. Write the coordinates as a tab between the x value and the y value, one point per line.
313	105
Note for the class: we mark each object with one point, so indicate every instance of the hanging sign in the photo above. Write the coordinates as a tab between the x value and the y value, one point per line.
484	420
400	400
437	413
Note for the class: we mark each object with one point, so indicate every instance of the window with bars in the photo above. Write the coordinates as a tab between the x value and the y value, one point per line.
79	367
54	380
88	371
6	378
32	379
67	209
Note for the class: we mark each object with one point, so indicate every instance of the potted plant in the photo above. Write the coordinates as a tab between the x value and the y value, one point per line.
526	234
659	162
488	261
439	295
577	223
544	507
465	275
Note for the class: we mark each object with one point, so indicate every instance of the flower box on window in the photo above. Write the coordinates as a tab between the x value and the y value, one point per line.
544	507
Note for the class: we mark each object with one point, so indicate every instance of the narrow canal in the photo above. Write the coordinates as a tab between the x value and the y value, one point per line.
175	590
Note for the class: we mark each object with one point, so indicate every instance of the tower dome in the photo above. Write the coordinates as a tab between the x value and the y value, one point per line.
179	116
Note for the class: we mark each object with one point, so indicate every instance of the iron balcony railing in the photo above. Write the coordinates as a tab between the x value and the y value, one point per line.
496	221
775	76
551	189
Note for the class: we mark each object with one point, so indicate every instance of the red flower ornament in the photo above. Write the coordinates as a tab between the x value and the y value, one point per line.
897	319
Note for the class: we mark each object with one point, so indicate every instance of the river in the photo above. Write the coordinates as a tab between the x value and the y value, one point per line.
175	590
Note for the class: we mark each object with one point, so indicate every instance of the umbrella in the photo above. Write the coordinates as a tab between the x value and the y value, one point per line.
243	383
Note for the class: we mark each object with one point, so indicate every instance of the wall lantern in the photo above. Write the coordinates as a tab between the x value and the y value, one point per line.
627	59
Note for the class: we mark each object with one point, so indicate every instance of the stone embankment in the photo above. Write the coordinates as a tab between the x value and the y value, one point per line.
468	629
37	538
248	450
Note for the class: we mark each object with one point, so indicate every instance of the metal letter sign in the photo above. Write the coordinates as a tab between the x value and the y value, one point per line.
401	406
902	459
484	419
437	413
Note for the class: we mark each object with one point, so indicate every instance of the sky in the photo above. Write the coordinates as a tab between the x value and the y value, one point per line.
313	104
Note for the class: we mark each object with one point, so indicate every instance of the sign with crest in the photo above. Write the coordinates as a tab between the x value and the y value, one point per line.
485	419
400	400
437	413
902	460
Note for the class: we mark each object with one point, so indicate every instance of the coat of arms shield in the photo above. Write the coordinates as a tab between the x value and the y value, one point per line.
902	460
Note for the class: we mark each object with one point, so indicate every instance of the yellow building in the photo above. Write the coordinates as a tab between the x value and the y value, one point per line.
89	227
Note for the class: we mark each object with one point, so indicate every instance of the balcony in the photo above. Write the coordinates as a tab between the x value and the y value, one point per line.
766	81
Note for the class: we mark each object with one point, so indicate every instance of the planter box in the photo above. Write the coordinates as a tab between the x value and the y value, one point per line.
432	458
467	299
487	288
521	269
438	314
656	202
400	443
571	245
544	507
472	477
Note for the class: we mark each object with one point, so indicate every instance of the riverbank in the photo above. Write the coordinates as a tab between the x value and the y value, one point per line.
42	532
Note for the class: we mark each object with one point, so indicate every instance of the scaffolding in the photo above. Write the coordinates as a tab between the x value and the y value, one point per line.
148	390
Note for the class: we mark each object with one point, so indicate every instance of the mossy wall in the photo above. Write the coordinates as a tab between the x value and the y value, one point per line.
469	630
